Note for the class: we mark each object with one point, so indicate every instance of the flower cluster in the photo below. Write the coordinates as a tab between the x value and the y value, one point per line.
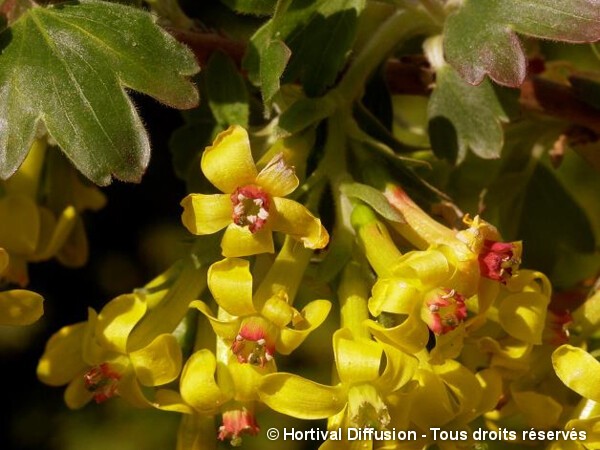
440	327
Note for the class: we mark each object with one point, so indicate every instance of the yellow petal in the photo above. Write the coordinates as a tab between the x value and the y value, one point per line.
278	311
463	385
356	361
225	329
400	368
168	400
55	234
410	336
244	379
297	397
394	296
75	250
239	241
578	370
230	283
198	386
490	383
159	362
292	218
277	178
540	411
62	360
314	314
20	307
523	315
430	267
591	428
76	395
93	353
431	404
228	163
20	228
129	389
117	319
206	214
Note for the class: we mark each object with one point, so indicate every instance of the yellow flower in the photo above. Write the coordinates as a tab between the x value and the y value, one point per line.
36	225
209	387
252	203
359	399
579	370
18	306
93	359
255	329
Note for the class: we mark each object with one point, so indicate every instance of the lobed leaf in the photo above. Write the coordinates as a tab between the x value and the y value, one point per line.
462	116
68	66
480	38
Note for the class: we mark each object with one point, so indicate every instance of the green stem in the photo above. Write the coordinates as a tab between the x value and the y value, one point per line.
400	26
333	166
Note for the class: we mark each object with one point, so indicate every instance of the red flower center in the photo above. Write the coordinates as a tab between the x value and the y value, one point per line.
102	381
254	343
445	311
250	207
499	260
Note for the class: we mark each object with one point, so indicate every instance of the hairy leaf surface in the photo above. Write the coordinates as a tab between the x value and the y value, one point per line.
480	38
68	66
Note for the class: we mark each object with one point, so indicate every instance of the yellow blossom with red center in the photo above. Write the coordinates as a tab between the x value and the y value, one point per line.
256	329
358	400
251	206
92	357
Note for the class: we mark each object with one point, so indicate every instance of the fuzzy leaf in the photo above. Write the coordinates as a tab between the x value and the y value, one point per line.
462	116
68	66
480	38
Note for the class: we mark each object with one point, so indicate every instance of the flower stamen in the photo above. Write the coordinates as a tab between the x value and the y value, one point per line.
102	381
253	345
250	207
445	311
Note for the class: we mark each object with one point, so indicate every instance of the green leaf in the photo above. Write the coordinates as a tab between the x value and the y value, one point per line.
534	205
480	38
275	59
320	44
463	116
374	198
68	66
319	34
551	219
227	94
306	112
